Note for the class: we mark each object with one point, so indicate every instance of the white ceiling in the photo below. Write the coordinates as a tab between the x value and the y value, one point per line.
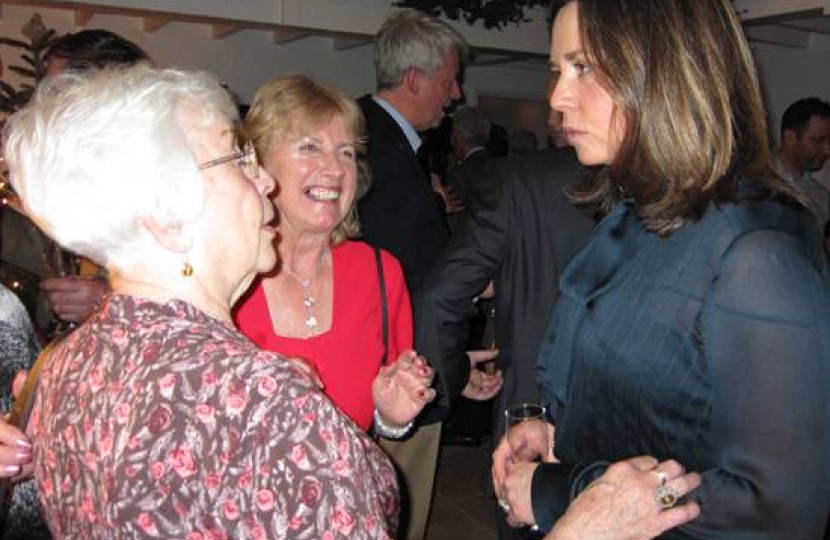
787	23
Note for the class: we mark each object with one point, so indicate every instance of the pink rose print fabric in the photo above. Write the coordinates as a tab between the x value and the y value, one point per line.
158	421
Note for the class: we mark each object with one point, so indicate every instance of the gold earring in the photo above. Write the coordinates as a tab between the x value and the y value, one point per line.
187	270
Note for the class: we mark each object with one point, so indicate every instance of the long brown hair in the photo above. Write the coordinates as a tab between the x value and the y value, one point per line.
683	79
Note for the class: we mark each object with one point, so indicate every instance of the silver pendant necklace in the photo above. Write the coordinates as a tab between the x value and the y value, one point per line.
308	300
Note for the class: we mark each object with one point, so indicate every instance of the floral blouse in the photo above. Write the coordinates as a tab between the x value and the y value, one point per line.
158	421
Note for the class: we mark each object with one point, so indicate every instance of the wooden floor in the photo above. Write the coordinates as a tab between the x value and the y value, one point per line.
461	509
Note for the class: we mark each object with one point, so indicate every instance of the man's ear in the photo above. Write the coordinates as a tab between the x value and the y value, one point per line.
173	237
413	80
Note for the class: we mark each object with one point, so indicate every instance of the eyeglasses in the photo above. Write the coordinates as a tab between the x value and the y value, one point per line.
245	158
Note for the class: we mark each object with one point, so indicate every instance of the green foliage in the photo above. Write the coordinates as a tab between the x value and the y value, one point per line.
31	67
492	13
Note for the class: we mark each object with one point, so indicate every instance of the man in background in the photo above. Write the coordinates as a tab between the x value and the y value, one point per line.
468	141
805	147
523	142
520	233
417	61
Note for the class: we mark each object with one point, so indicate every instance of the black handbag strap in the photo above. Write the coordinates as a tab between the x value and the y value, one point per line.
384	309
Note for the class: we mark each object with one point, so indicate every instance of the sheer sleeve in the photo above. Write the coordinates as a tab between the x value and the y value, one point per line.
763	423
764	329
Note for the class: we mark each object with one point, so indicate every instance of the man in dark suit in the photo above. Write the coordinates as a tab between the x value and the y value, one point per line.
470	132
417	59
520	232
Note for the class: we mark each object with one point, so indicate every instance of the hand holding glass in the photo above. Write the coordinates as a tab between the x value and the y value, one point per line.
58	263
527	432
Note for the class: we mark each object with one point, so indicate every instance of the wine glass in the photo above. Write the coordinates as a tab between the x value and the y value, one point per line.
519	413
514	416
58	263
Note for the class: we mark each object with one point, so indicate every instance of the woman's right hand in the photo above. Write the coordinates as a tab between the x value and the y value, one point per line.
402	389
621	504
523	442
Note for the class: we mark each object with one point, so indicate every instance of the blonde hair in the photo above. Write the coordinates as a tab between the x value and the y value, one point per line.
291	107
683	78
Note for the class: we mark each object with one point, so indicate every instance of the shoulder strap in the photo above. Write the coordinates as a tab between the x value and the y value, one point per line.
19	417
22	408
384	310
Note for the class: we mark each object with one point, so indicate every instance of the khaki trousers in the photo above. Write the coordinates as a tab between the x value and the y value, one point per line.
415	458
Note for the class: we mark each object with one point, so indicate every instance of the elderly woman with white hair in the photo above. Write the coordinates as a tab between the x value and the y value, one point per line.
157	418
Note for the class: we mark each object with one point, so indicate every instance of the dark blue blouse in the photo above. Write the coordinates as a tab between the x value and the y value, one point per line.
709	346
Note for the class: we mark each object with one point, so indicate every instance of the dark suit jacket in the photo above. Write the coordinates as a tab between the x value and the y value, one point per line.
521	231
400	212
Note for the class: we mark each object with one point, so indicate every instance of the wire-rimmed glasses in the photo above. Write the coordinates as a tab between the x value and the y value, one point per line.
246	159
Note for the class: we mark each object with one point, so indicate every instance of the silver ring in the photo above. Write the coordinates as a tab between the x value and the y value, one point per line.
665	496
504	506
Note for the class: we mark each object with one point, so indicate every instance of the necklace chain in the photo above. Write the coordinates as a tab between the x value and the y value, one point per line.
308	300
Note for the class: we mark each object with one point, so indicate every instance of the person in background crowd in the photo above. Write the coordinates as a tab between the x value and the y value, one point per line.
324	304
470	131
556	133
805	147
498	145
693	322
157	417
91	49
417	60
519	232
18	350
523	142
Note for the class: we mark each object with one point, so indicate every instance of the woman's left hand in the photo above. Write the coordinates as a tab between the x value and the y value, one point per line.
623	504
401	390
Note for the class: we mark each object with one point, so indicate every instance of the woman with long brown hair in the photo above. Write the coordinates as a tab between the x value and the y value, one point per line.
693	323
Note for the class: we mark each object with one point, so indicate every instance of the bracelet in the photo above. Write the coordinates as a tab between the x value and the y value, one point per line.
390	432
